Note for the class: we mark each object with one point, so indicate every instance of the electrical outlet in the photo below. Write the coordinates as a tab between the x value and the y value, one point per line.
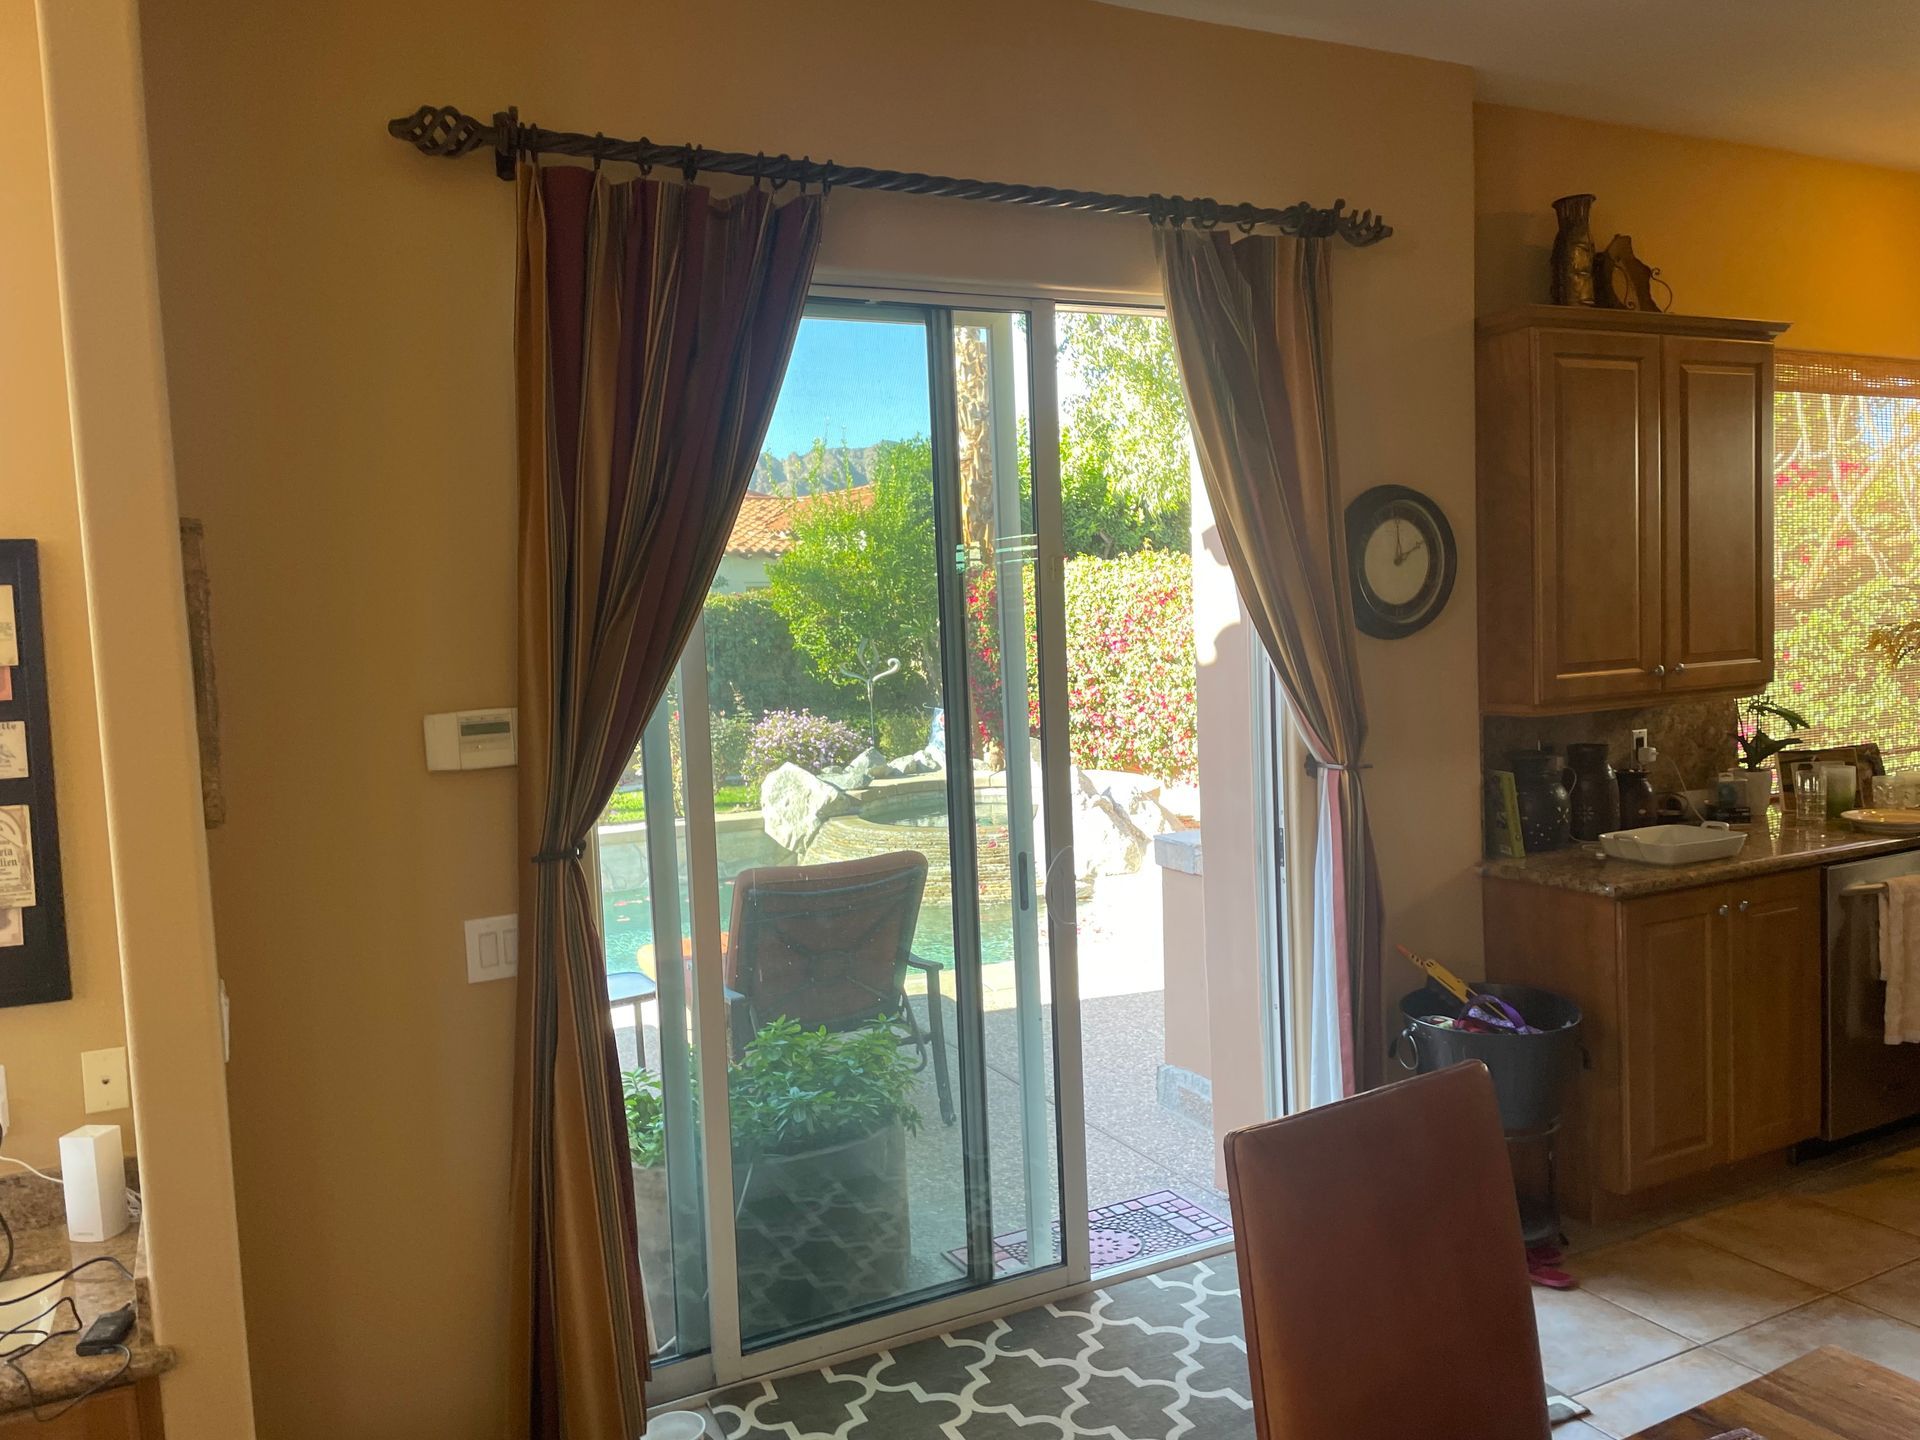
1640	739
6	1111
493	948
104	1074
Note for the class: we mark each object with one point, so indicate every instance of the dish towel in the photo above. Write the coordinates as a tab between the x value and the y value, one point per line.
1899	903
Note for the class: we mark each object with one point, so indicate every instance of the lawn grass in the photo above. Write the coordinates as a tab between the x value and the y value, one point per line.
629	806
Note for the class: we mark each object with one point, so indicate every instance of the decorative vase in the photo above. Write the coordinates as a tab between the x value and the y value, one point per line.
1595	795
1540	789
1571	281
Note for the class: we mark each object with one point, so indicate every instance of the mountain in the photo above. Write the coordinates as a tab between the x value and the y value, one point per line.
839	467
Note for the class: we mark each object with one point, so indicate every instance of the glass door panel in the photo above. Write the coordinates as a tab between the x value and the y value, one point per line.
855	879
641	857
998	549
833	823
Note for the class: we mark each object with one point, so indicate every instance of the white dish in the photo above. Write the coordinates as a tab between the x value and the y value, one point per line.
1674	844
1884	821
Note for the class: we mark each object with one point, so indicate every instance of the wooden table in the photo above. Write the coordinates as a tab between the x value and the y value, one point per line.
1827	1395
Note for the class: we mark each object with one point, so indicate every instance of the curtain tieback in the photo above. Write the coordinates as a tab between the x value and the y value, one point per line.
1314	767
556	857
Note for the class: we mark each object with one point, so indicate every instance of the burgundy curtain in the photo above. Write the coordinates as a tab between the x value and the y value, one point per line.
653	325
1250	325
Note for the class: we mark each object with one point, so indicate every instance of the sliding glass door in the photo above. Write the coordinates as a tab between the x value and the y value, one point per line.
826	886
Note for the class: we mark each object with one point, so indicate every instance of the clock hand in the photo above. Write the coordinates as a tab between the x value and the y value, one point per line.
1399	545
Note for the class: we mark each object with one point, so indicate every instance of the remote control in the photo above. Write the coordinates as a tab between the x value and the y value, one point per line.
107	1332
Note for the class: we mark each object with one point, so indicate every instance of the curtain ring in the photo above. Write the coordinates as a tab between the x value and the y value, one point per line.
646	166
690	167
759	168
826	168
599	139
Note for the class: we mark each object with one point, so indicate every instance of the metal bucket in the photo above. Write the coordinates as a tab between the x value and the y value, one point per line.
1530	1072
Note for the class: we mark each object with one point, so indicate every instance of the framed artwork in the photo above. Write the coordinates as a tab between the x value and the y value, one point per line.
33	917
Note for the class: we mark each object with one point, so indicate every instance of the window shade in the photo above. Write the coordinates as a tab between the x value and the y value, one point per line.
1847	544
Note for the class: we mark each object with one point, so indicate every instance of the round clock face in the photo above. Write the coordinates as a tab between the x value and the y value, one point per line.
1401	557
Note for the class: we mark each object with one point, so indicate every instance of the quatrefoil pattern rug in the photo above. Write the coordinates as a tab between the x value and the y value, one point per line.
1157	1358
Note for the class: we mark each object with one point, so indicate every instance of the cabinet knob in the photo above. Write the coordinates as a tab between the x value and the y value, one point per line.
1658	671
1723	909
1743	906
1681	666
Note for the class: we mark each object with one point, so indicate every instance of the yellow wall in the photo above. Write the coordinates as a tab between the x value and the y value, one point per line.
338	326
40	1045
1735	229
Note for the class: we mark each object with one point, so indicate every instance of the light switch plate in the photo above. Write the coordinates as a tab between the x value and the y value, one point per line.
493	948
104	1074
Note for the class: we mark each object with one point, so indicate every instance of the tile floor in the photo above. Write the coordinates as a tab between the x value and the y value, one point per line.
1667	1315
1682	1312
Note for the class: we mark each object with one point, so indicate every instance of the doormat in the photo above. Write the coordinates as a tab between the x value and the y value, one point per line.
1122	1233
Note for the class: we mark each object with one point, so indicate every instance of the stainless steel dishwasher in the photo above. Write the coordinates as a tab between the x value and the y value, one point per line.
1869	1082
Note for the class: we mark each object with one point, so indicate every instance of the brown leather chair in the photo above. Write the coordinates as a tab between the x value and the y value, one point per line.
1382	1270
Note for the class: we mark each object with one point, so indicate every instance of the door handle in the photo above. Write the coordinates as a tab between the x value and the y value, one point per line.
1026	881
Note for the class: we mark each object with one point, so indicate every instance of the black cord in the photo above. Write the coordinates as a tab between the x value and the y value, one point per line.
12	1358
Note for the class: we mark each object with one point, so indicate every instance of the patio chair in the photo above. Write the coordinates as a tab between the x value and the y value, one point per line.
1382	1272
830	945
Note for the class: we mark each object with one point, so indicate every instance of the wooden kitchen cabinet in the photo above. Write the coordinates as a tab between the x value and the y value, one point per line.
1625	508
1774	996
124	1412
1702	1028
1672	999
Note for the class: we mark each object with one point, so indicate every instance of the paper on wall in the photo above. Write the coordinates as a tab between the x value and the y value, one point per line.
13	930
13	750
9	634
16	857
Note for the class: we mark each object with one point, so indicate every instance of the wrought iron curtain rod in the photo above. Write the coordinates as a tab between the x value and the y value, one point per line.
444	131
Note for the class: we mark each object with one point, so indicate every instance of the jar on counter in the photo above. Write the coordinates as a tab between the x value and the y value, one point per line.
1637	804
1539	784
1595	796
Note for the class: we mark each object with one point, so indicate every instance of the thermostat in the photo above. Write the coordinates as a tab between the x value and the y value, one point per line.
472	739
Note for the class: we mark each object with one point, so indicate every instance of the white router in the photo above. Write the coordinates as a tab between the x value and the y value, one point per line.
93	1170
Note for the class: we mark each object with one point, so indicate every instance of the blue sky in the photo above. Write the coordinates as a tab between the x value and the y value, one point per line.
851	382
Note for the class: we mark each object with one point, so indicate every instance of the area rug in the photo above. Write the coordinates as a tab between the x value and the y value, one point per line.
1130	1230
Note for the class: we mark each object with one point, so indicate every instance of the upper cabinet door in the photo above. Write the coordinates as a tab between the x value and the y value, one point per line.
1719	514
1597	524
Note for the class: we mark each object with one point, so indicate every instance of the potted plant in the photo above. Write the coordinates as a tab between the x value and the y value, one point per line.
820	1122
1757	747
647	1149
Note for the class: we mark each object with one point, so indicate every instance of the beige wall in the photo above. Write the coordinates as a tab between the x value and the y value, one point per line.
1735	229
40	1045
339	334
156	840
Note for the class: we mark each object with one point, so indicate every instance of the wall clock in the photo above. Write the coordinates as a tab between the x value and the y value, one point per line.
1401	561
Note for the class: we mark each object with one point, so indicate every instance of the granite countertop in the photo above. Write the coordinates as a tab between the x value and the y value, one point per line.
1776	845
36	1213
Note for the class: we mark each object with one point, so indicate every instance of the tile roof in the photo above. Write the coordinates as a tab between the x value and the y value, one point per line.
765	524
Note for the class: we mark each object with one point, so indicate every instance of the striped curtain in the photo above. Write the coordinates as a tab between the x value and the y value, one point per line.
1250	321
652	327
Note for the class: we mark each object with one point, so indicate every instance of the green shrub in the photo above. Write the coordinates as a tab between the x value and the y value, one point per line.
902	732
1131	664
731	736
753	666
813	742
646	1121
794	1090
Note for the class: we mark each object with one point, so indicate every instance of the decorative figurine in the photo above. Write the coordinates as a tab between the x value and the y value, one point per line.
1623	281
1571	281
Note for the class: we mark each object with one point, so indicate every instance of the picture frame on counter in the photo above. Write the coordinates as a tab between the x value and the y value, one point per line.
1866	760
34	964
